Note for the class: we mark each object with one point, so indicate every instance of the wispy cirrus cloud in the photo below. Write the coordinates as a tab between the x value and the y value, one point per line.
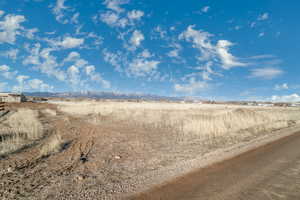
192	86
266	73
209	51
210	54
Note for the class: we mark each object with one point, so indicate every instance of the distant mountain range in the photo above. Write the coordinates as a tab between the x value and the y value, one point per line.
105	95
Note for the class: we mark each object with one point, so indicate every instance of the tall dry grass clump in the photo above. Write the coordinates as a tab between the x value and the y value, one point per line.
19	130
53	145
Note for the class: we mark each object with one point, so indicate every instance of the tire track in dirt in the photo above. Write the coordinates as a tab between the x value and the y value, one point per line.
25	174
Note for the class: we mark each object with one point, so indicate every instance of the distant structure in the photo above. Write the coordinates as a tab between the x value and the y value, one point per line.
12	97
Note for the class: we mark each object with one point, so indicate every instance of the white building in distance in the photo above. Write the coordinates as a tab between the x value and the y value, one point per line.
12	97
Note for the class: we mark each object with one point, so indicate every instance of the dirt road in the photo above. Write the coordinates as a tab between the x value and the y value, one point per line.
270	172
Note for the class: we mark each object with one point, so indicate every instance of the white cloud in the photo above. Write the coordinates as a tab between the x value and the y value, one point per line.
10	27
261	34
115	5
37	84
115	59
4	68
283	86
43	61
34	57
145	54
192	86
97	40
252	25
113	19
21	81
1	13
65	43
94	76
6	72
263	16
141	67
237	28
210	52
73	56
266	73
161	32
287	98
12	54
74	18
58	11
136	38
29	33
26	84
227	58
135	15
207	71
173	53
200	40
70	42
74	76
205	9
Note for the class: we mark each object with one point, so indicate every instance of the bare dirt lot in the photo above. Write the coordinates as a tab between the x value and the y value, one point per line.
102	150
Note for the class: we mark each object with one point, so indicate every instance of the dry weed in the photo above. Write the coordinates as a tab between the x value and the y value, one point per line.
53	145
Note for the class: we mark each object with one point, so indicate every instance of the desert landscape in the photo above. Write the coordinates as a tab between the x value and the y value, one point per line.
108	150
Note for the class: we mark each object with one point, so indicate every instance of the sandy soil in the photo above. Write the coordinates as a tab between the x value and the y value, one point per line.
98	161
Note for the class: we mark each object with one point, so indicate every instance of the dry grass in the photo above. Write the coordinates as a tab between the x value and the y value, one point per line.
53	145
49	112
187	121
19	130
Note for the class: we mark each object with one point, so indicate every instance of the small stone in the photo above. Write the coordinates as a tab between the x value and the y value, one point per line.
9	169
80	177
118	157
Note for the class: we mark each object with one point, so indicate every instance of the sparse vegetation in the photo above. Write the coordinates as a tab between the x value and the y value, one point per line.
188	121
115	146
19	130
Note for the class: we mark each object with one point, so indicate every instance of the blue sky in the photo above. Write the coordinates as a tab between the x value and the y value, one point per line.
224	50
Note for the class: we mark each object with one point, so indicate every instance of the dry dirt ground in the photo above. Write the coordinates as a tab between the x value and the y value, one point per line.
269	172
97	161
